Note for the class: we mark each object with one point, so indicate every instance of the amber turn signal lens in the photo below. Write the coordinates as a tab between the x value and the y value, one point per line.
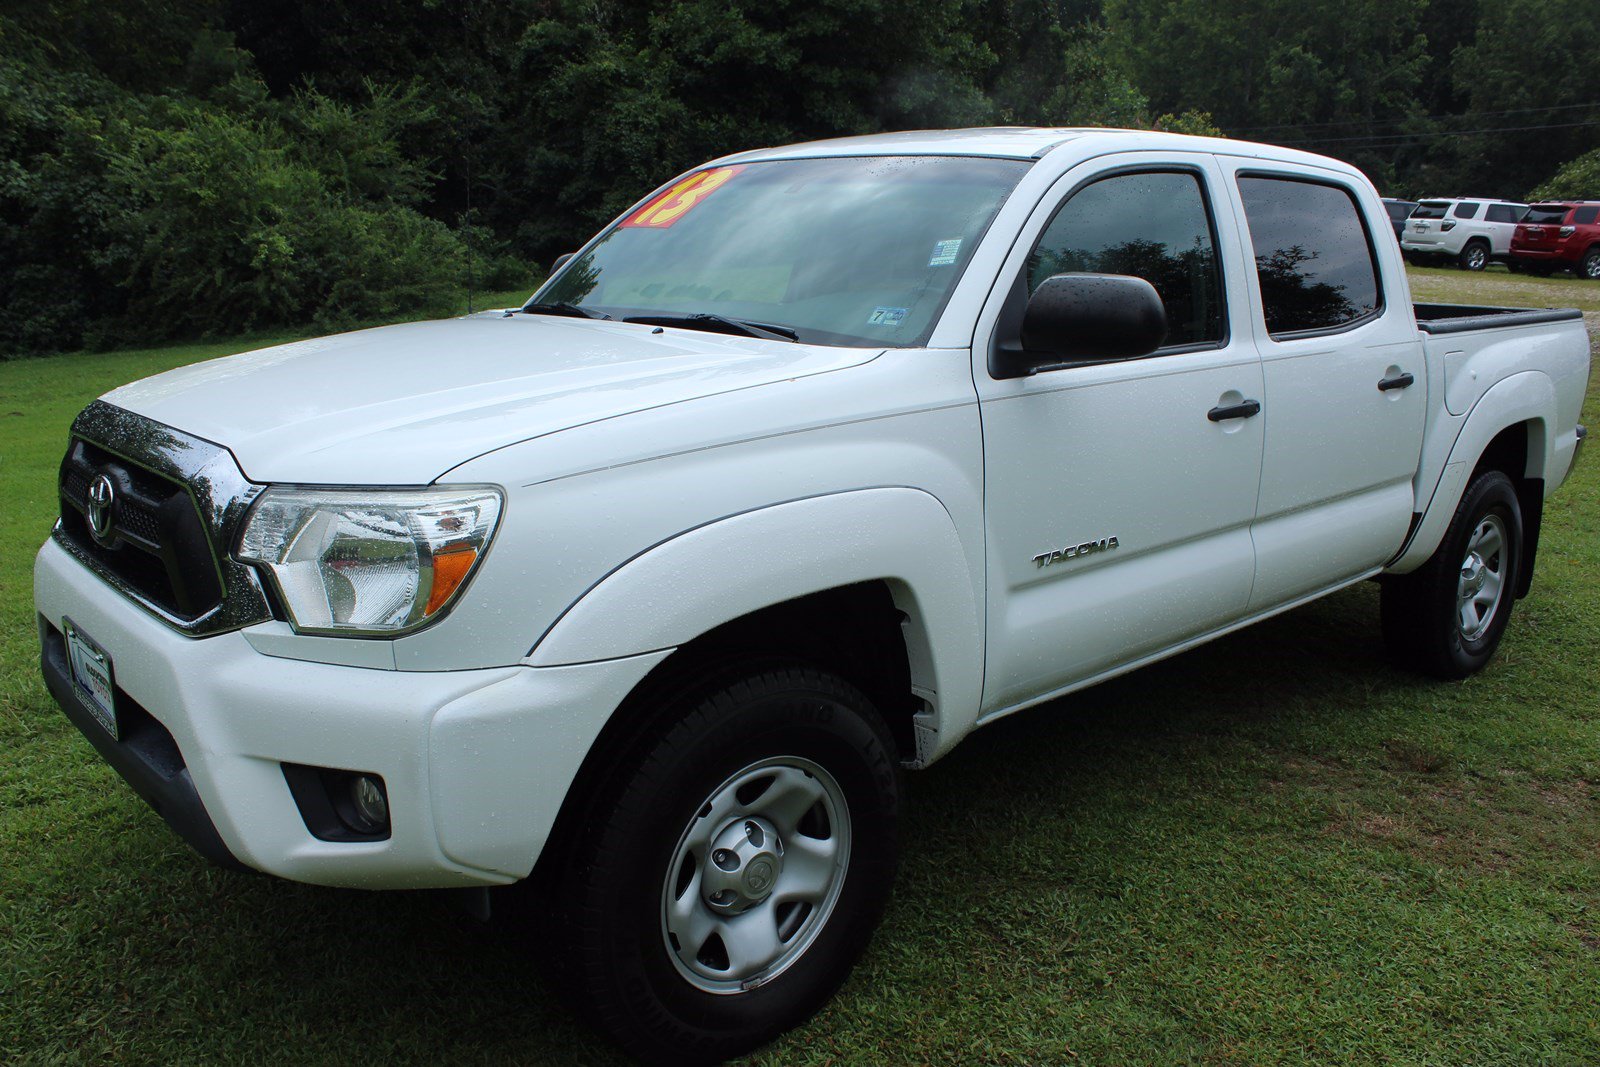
450	569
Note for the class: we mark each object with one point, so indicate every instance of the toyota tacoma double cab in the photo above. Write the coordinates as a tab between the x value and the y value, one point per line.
812	462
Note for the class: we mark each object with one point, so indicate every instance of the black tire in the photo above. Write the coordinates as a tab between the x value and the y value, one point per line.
1589	266
1423	617
612	894
1474	256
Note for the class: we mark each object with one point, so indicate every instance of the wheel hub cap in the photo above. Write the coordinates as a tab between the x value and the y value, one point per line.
1482	581
755	875
746	860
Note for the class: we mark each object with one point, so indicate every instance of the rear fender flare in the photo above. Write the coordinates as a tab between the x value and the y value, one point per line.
1525	397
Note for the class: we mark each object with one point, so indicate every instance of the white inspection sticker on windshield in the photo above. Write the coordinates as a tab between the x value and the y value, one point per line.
886	317
945	252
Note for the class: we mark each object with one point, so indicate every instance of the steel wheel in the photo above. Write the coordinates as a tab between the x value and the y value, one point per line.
724	868
1446	618
755	875
1483	574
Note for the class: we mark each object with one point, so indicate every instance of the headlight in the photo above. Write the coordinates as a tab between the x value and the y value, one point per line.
377	562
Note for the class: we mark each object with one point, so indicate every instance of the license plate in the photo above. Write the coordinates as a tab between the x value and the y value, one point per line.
91	673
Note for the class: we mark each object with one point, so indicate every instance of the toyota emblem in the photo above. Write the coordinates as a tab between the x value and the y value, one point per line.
97	505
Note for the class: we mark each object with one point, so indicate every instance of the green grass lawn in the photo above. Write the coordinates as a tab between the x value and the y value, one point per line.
1274	849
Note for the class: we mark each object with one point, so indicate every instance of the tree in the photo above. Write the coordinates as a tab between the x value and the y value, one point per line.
1531	68
1284	71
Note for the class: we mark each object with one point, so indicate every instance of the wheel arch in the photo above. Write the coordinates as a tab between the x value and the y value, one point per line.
841	562
1508	429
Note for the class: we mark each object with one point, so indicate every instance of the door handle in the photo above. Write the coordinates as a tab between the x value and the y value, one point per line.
1242	410
1399	381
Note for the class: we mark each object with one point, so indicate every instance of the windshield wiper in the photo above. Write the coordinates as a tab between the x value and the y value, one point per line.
561	307
719	324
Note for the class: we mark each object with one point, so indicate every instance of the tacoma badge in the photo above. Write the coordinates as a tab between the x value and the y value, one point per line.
1045	559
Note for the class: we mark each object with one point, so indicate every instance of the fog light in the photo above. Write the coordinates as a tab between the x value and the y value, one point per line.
371	805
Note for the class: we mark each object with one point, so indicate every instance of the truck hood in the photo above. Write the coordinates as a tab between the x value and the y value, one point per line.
404	404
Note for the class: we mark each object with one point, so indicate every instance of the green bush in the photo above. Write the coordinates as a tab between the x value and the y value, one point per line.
303	213
1578	179
136	218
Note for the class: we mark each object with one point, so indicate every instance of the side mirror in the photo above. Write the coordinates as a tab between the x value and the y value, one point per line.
561	261
1080	317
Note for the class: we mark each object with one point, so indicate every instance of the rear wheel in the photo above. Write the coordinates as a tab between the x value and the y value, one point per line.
729	872
1447	617
1589	266
1473	257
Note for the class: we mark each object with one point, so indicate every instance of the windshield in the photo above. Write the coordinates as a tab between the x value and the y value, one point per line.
859	251
1431	209
1545	214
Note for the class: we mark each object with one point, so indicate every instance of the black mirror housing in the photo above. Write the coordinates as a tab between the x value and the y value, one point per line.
1086	317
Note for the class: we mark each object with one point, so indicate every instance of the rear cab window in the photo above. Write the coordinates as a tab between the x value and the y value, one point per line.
1314	255
1545	214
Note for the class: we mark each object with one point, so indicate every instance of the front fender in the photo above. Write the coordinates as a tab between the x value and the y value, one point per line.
1528	396
671	593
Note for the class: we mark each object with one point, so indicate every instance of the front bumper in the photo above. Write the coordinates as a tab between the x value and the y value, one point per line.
476	762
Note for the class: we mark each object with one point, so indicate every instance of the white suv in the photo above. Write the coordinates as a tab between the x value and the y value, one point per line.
1469	230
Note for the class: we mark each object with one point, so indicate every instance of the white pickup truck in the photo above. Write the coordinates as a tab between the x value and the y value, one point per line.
814	461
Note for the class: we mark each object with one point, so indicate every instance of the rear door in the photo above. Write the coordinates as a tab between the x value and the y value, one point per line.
1345	388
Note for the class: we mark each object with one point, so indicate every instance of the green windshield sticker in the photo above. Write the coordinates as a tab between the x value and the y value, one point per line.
945	252
886	317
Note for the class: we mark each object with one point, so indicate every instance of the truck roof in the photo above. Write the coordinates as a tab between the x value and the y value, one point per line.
1024	142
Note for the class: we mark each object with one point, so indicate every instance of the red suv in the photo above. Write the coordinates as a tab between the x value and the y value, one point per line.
1559	236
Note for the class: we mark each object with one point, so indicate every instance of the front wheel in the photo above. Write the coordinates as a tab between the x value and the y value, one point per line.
1446	618
730	871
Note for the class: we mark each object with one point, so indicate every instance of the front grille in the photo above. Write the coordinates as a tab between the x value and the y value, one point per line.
151	510
155	540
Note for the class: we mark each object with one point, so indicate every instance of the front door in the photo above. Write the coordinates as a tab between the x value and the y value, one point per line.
1118	503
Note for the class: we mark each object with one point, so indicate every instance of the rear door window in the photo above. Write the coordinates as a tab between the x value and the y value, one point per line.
1314	255
1503	213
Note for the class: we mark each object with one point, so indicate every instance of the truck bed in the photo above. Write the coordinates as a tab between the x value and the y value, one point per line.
1459	318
